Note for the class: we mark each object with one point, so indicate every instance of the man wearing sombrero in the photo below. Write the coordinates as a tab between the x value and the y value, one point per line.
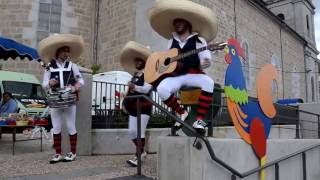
61	50
132	59
183	22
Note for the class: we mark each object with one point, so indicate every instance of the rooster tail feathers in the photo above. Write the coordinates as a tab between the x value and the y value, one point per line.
265	78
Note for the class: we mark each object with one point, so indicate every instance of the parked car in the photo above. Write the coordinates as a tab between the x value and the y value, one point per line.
26	90
108	89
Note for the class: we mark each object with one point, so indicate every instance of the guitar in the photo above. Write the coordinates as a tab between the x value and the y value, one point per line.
129	105
163	64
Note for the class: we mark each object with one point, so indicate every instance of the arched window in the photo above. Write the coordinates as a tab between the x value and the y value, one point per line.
295	83
246	64
49	20
312	89
308	25
275	61
319	88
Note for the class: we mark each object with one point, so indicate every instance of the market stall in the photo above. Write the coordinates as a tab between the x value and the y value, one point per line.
16	122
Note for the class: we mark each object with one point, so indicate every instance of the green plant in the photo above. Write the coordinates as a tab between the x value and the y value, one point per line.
95	68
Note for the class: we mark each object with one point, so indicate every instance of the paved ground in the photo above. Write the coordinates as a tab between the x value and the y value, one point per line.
31	164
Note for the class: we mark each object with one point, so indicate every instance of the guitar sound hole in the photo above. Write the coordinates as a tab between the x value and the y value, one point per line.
157	65
167	61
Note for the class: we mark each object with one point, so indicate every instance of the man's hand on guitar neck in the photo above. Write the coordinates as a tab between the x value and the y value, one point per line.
215	46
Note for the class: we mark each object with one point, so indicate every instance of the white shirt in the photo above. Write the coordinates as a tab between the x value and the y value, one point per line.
143	89
206	54
75	69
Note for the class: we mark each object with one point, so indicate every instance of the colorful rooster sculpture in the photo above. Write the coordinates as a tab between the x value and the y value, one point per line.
252	119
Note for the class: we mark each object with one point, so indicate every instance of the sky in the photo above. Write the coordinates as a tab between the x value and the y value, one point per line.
317	24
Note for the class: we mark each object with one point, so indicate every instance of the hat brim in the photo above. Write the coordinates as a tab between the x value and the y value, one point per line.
130	52
49	46
202	19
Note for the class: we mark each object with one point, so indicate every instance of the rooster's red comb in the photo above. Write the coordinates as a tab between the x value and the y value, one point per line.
236	44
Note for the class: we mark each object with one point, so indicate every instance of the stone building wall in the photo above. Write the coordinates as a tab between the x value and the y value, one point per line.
116	27
263	38
250	26
19	21
78	17
293	66
270	43
119	21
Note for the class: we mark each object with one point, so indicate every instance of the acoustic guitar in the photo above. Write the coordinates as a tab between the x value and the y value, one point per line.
129	105
163	64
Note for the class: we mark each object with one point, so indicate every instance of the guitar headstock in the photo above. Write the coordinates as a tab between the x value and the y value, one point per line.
216	46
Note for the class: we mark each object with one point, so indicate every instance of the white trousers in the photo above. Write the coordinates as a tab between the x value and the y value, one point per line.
171	85
69	114
132	131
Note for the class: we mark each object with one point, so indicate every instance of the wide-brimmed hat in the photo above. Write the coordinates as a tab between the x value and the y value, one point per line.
49	46
202	19
130	52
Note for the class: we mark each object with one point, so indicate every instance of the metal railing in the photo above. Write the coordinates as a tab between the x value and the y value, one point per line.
234	173
301	122
288	117
192	130
107	107
107	113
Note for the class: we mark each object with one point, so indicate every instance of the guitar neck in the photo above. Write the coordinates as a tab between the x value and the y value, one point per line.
189	53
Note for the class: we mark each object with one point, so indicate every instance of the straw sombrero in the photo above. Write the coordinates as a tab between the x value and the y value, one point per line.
48	46
130	52
203	20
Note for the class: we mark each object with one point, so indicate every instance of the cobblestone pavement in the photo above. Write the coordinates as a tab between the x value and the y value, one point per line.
30	163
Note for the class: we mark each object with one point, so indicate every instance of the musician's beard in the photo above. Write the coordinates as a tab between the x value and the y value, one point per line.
64	58
181	31
140	68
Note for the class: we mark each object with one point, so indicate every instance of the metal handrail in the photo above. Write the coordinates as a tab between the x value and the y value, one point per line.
255	170
303	111
210	150
192	130
99	105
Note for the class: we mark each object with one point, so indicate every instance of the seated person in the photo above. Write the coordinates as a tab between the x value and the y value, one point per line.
8	104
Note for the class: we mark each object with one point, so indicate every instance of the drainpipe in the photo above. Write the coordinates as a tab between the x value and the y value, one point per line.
235	19
96	30
282	72
306	73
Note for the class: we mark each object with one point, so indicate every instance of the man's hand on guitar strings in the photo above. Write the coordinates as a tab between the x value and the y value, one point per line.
131	86
53	82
